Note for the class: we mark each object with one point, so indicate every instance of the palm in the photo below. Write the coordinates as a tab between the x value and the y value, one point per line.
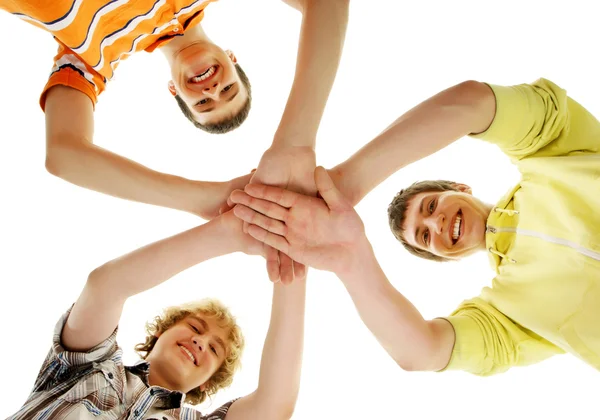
322	233
320	237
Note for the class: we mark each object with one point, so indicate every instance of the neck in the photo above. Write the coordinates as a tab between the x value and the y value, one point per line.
156	379
191	36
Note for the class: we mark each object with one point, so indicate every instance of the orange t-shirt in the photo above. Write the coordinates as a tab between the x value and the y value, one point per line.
95	35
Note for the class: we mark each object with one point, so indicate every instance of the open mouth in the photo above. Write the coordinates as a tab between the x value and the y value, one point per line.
205	75
457	227
189	354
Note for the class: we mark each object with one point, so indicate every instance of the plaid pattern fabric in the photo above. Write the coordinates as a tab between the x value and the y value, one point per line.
96	385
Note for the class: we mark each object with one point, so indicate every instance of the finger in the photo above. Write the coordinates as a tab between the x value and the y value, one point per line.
268	238
286	268
334	199
253	217
224	208
276	195
244	226
299	270
272	210
272	256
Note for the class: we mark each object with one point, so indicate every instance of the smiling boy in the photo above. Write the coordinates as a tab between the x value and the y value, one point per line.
541	237
190	351
208	84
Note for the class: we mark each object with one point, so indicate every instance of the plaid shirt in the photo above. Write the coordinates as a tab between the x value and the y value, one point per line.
96	385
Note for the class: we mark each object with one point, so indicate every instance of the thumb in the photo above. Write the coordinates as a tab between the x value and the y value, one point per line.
334	199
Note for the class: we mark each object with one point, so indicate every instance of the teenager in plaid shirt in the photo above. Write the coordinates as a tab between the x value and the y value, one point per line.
190	351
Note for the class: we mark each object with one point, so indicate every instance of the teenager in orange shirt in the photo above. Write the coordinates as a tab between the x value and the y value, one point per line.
209	85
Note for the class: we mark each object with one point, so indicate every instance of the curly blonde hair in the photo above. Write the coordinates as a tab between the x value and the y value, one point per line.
210	308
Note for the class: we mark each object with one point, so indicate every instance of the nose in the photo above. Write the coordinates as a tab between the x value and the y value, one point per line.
436	223
199	344
212	91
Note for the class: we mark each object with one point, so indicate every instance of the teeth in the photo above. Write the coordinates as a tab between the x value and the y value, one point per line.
189	353
204	75
456	227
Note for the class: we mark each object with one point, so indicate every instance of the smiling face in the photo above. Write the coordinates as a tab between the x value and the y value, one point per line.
188	354
449	224
205	78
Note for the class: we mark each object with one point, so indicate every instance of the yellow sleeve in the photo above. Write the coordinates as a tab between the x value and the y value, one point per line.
488	342
539	119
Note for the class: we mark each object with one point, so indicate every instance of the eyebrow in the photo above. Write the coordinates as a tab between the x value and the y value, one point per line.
228	100
206	327
419	228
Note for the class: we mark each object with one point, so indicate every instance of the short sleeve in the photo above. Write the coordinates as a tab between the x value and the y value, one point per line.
539	119
488	342
60	364
221	412
69	70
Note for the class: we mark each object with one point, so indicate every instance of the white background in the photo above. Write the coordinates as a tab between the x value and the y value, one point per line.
397	54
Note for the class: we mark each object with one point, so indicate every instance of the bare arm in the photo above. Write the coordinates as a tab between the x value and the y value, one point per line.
96	313
413	342
281	362
328	234
430	126
322	36
72	156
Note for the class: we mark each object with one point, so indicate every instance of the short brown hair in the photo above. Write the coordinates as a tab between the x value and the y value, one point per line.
210	308
399	205
228	124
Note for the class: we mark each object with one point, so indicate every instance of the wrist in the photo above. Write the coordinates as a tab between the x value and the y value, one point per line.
199	198
361	260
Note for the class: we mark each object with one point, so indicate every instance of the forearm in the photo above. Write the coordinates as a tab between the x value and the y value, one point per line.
409	339
427	128
322	36
281	362
154	264
92	167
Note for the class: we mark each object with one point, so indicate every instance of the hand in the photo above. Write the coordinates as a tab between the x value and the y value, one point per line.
292	168
324	233
233	230
214	198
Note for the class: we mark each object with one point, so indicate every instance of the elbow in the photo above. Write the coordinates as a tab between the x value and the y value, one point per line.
60	157
53	162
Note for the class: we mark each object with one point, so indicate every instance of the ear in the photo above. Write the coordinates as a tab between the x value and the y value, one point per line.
463	188
231	56
172	88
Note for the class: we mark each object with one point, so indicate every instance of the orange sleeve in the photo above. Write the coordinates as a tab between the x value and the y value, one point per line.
70	70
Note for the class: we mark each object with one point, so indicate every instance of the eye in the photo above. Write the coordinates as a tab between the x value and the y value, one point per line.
431	206
226	88
203	101
195	329
213	350
426	237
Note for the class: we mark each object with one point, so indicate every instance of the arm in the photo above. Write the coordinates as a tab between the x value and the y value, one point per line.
281	362
430	126
413	342
290	161
72	156
98	309
329	235
322	36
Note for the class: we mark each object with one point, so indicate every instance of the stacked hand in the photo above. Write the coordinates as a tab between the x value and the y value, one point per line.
324	233
291	168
